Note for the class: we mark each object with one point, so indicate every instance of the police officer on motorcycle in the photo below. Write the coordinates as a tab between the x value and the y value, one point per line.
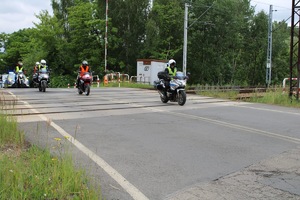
43	65
19	67
171	71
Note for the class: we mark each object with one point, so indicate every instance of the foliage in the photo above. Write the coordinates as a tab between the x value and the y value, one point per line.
276	97
27	172
227	41
60	81
9	132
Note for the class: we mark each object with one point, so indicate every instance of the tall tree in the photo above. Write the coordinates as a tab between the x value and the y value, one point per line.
129	17
165	30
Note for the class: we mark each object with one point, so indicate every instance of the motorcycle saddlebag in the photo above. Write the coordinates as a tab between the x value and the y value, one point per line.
163	75
158	85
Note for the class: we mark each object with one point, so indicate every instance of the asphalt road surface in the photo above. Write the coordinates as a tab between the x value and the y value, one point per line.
137	147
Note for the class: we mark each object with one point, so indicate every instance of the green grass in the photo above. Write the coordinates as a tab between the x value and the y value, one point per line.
273	97
276	98
220	94
28	172
129	85
9	133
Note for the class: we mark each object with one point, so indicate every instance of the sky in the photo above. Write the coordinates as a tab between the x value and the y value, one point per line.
19	14
282	9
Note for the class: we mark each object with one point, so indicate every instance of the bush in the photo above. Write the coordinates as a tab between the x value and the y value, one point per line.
62	81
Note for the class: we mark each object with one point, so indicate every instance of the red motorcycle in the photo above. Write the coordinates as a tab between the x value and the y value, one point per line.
85	84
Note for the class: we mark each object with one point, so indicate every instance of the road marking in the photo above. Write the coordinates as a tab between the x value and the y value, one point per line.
114	174
221	123
230	125
271	110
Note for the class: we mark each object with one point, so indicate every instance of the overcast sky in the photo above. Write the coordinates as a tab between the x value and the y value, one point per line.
19	14
282	8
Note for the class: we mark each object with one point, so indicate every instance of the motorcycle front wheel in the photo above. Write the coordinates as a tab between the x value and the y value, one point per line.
79	90
181	97
43	86
87	90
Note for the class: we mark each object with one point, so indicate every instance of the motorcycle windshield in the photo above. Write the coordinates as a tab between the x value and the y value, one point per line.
11	75
179	75
43	71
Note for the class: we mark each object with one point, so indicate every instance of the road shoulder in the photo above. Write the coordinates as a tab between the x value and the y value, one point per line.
275	178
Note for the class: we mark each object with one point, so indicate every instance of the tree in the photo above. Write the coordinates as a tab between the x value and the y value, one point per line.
164	38
129	17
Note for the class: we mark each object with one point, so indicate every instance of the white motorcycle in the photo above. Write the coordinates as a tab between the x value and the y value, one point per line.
22	80
42	79
175	92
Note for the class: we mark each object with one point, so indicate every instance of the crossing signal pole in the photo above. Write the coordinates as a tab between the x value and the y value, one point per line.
295	49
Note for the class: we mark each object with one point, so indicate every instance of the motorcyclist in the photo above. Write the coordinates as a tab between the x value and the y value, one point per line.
171	71
82	69
43	65
19	67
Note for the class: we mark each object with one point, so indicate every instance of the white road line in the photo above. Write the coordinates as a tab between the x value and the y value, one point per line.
270	110
222	123
126	185
230	125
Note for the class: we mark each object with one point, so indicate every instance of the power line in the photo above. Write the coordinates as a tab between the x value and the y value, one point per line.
259	2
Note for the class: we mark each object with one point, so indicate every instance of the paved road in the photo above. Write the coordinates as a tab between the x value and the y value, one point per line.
140	148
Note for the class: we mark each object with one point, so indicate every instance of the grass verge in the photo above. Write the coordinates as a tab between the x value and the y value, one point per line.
27	172
272	97
276	98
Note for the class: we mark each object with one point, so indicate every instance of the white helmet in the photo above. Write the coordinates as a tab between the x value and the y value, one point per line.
172	61
84	62
37	63
43	62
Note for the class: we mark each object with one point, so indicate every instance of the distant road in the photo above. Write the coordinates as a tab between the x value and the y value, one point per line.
137	147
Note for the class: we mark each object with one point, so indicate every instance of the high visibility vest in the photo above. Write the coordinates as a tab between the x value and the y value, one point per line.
19	69
42	66
171	73
82	70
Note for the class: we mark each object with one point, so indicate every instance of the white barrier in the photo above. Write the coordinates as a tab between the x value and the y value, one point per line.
284	82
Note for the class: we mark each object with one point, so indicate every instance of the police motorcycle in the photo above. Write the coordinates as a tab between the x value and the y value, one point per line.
41	79
85	82
21	80
175	92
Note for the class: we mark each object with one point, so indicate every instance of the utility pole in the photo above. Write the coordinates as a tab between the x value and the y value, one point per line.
269	51
185	28
185	37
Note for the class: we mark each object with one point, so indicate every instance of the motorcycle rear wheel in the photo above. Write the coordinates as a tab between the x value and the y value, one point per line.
163	97
181	97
